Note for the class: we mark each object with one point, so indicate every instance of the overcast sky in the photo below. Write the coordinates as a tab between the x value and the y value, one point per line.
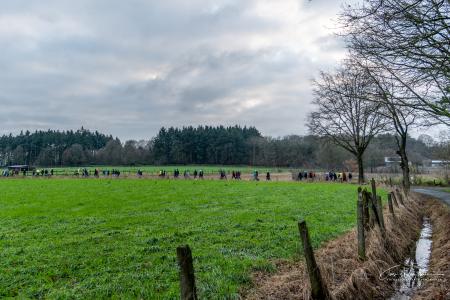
129	67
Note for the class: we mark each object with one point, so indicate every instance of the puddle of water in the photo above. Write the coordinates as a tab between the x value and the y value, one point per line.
416	266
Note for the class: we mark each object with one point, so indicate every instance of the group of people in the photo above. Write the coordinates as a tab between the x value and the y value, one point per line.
176	174
305	175
255	176
328	176
342	177
84	172
235	174
38	172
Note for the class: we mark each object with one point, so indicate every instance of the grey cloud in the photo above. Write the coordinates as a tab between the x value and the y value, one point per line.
129	67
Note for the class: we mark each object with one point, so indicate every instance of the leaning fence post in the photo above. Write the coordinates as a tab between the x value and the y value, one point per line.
318	287
380	211
391	206
400	197
394	198
188	290
374	212
360	221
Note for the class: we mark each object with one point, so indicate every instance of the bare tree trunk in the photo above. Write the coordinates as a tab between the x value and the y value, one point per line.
404	164
360	169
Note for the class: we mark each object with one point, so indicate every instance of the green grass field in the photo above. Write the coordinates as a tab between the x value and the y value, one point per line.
94	239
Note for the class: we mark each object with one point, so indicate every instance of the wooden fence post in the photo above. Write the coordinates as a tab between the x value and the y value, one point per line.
374	188
394	198
374	212
360	221
318	287
371	215
391	206
365	199
400	197
380	212
188	290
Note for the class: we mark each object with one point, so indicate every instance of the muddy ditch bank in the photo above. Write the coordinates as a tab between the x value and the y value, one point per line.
347	277
436	284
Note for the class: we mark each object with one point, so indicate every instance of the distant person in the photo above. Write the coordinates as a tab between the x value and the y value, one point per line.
268	176
350	176
195	174
256	175
344	177
200	174
52	172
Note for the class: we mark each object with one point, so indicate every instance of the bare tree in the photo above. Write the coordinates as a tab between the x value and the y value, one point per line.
345	111
390	94
409	40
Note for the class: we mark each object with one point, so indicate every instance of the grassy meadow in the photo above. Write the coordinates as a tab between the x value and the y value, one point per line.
117	238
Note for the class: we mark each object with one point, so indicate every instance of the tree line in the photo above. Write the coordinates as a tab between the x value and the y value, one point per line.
396	77
206	145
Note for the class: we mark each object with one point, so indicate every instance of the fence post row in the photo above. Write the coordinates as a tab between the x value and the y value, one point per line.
318	287
188	291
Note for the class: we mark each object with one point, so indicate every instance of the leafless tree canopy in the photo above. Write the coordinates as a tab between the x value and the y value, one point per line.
346	111
409	40
390	94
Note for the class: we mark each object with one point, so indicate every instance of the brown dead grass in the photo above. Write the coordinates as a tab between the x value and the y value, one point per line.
438	286
345	275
